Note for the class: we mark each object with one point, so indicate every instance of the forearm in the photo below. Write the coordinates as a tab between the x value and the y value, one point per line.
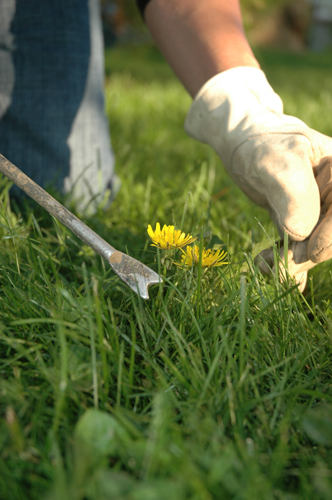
199	38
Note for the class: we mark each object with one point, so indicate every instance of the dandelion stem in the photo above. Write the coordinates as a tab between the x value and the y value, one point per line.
199	275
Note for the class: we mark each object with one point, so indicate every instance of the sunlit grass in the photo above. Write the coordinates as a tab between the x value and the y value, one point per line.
220	385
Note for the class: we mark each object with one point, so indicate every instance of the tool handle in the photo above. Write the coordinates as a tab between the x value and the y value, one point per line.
55	208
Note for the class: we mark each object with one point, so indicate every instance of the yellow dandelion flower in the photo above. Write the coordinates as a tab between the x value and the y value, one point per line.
168	237
210	258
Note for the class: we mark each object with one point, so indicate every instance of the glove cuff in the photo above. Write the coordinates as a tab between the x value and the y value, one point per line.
230	106
253	79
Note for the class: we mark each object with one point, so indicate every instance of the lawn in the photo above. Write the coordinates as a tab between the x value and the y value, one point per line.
219	386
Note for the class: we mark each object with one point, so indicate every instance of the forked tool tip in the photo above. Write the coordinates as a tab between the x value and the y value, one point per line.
136	275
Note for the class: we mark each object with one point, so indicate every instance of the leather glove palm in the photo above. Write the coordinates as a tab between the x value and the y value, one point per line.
304	255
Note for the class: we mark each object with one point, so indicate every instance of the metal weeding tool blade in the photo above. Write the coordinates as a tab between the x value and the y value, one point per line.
136	275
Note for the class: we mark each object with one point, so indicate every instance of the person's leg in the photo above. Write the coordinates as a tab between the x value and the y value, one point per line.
89	139
55	52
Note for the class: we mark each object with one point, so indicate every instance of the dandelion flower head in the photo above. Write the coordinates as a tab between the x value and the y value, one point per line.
210	258
168	237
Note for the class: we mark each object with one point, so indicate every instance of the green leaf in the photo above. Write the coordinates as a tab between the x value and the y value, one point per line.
256	249
100	431
318	424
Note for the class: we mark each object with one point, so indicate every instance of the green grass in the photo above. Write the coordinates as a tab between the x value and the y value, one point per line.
221	394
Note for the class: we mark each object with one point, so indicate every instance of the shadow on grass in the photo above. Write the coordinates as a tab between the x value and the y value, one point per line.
145	62
142	62
272	58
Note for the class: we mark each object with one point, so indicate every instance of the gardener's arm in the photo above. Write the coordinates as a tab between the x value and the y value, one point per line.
199	38
271	156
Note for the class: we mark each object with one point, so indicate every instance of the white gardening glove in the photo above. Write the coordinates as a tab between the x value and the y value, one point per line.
269	155
304	255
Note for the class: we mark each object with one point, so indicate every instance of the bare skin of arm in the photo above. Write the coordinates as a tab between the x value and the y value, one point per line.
199	38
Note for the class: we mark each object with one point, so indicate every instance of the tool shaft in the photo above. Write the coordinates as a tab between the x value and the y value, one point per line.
136	275
55	208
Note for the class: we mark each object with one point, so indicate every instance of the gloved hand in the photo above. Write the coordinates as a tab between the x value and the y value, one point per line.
303	255
269	155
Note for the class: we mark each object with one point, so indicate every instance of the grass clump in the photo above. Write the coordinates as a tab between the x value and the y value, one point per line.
218	387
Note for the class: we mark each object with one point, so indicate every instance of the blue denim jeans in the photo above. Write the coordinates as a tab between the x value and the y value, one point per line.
52	120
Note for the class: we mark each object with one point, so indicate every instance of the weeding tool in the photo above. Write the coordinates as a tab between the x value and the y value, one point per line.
135	274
